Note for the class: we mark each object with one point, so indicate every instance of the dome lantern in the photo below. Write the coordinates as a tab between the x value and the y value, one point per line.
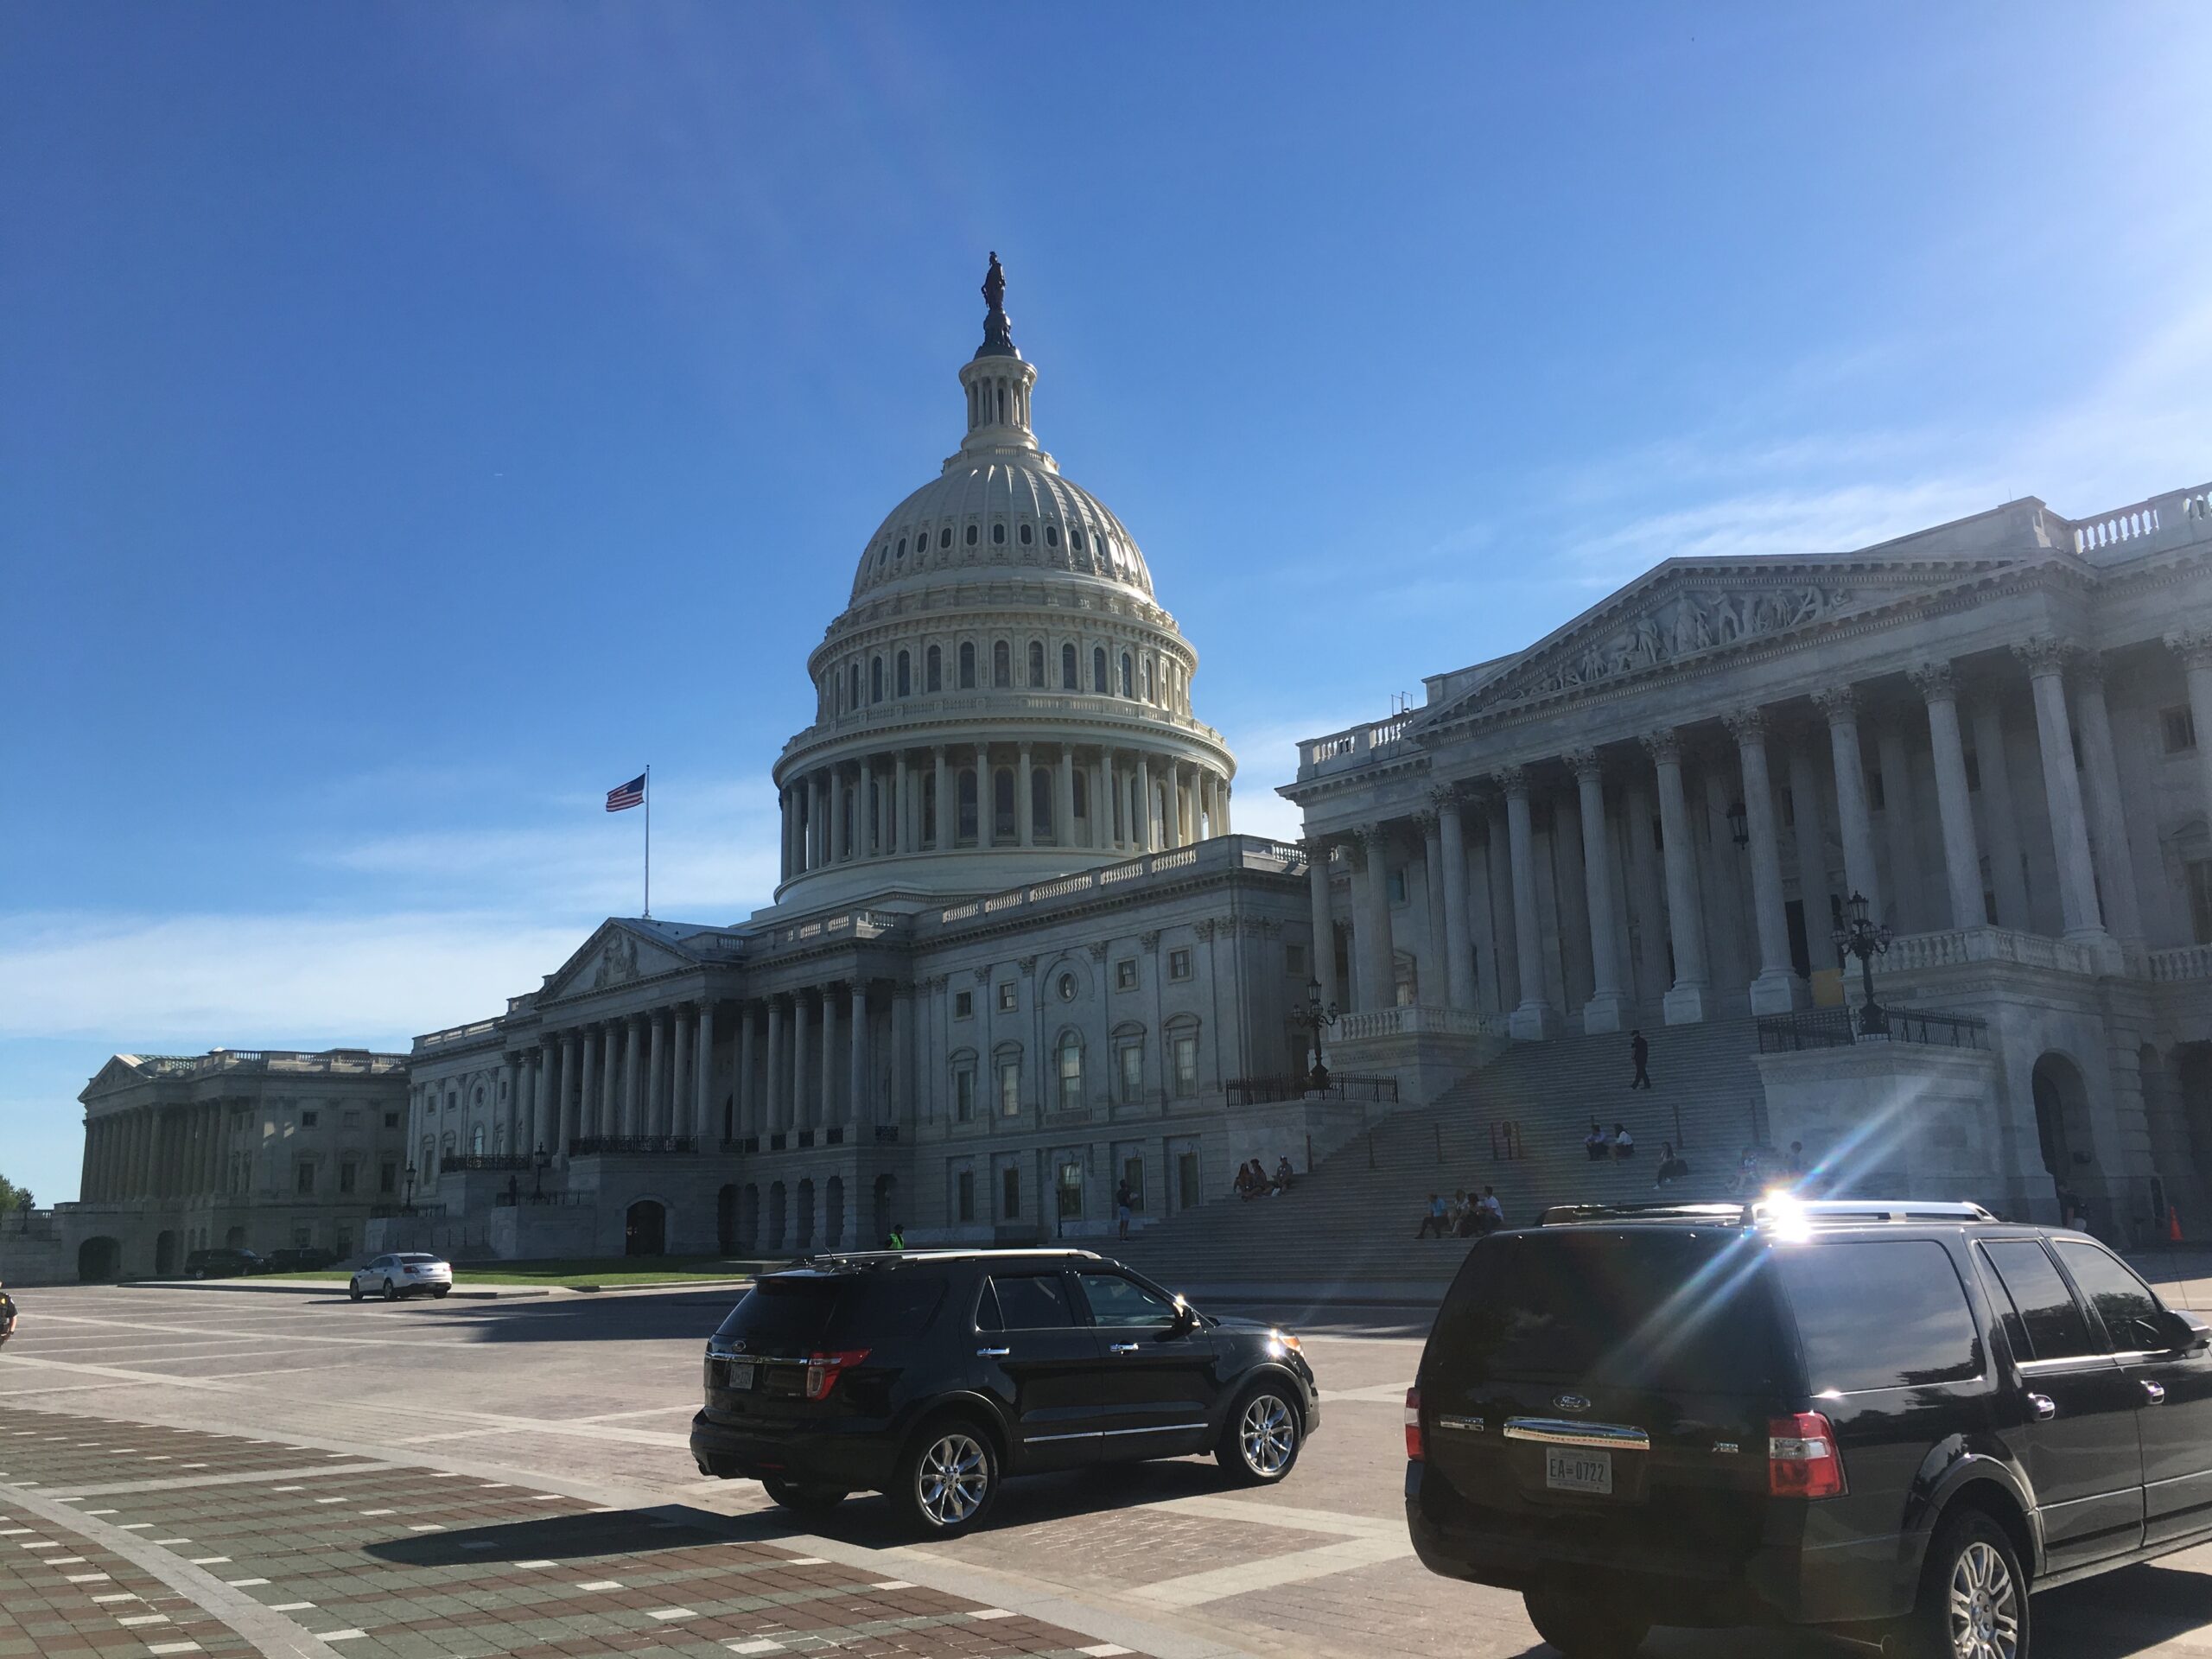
997	383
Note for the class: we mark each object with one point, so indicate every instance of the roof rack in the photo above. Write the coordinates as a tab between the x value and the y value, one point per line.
1767	1210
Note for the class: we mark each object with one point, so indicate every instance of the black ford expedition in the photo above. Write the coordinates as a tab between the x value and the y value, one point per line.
1895	1420
930	1375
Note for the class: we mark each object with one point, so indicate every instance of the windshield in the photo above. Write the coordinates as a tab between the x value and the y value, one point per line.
1679	1312
832	1311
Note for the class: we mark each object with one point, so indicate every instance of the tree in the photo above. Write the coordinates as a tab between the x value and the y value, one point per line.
15	1198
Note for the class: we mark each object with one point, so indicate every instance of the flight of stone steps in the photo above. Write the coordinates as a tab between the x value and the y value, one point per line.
1347	1227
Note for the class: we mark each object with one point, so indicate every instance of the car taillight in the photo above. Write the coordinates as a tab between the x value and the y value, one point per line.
823	1370
1802	1460
1414	1451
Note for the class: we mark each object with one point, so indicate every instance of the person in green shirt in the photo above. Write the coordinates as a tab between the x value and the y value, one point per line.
898	1239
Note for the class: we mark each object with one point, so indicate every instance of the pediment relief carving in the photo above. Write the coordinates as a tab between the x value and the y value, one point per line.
613	956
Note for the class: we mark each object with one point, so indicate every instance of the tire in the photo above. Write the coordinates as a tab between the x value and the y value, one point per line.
1582	1628
200	1273
803	1499
1973	1597
1260	1441
391	1291
439	1292
948	1479
353	1288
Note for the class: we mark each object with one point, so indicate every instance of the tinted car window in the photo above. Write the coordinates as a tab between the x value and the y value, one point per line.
1031	1302
1886	1314
2123	1302
1117	1300
1691	1311
817	1310
2051	1319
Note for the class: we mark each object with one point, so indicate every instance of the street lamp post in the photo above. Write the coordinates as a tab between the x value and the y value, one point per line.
407	1198
1316	1019
538	1181
1855	934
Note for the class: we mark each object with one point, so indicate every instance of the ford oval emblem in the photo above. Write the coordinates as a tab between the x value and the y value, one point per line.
738	1347
1572	1402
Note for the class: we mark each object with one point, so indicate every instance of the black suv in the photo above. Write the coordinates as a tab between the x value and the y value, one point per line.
929	1374
222	1264
1892	1419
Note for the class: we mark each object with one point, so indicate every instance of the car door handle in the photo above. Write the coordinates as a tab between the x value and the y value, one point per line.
1122	1347
993	1353
2154	1393
2043	1405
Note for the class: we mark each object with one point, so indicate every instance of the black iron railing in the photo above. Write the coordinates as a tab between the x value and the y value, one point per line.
631	1145
1805	1028
459	1162
749	1143
1256	1091
886	1131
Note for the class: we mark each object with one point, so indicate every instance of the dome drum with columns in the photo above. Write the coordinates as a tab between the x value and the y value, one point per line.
1002	700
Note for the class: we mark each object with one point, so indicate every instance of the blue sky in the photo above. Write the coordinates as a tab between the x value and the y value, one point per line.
418	417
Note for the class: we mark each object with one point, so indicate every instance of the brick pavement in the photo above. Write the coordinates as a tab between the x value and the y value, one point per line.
372	1561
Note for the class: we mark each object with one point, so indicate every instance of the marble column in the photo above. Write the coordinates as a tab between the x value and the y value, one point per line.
2000	823
904	836
1323	948
1064	804
945	830
825	1113
745	1112
651	1116
802	1113
1907	912
1024	798
1811	840
706	1110
774	1101
682	1073
1430	988
902	1054
633	1075
1143	827
1685	1002
542	1098
1532	1018
1498	871
1459	944
565	1095
2122	906
1953	800
785	815
817	821
590	1086
1607	1009
1775	988
859	1110
1841	705
2069	825
2194	647
1377	956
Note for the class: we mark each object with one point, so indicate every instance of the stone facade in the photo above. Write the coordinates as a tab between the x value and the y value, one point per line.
261	1149
1988	730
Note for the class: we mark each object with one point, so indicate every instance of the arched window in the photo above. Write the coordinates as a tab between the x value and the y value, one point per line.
875	680
1075	540
1002	826
1001	663
944	537
1147	679
1098	681
476	1140
998	535
967	831
902	548
1051	535
853	695
1040	800
933	670
1128	676
1026	533
1036	661
971	535
1071	1057
905	675
1067	668
967	665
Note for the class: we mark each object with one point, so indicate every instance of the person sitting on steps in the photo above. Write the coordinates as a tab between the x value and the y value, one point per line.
1433	1223
1595	1145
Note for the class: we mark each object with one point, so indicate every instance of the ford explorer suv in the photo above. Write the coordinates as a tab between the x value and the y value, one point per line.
931	1376
1892	1420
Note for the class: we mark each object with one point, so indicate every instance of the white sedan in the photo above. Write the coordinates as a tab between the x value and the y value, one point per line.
403	1273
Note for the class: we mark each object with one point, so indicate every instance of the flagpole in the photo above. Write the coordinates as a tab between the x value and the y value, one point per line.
648	842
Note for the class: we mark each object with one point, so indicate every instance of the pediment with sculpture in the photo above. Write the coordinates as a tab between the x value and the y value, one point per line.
611	958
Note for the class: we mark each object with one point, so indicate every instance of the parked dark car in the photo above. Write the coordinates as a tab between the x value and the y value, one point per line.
301	1259
1893	1419
223	1264
929	1376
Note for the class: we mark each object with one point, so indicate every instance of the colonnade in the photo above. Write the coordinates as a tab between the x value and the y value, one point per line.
1589	790
156	1152
950	796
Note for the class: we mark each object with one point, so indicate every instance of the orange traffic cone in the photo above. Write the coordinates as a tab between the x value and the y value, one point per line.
2173	1225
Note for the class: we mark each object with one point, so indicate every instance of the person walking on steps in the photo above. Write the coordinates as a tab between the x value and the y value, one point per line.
1640	1050
1125	1201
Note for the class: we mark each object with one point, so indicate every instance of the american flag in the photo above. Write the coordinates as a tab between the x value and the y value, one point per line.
626	796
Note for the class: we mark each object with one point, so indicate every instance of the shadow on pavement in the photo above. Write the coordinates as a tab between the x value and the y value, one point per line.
2130	1611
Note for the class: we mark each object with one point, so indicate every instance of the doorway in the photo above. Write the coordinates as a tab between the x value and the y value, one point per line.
644	1228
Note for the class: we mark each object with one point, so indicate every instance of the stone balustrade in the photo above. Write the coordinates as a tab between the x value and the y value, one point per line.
1956	947
2184	963
2176	516
1416	1019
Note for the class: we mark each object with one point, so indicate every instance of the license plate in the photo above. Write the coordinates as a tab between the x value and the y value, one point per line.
741	1373
1575	1471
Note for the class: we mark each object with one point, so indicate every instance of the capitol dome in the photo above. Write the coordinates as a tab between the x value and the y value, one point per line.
1002	699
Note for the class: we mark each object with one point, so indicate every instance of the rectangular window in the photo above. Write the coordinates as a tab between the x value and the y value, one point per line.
2045	1321
1186	1051
2123	1302
349	1174
1132	1071
1125	975
1009	1088
1008	1000
351	1119
303	1177
964	1187
1179	964
1925	1335
963	1096
1293	961
1133	1173
1398	885
1010	1193
2177	727
1071	1192
303	1235
1071	1076
964	1005
307	1120
392	1120
387	1178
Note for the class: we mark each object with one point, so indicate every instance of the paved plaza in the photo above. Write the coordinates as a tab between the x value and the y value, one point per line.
227	1471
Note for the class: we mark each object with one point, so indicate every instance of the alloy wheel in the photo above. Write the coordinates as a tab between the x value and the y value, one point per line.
1984	1605
1267	1436
952	1479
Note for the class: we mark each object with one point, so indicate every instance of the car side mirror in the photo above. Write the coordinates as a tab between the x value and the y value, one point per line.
1185	1319
2185	1332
